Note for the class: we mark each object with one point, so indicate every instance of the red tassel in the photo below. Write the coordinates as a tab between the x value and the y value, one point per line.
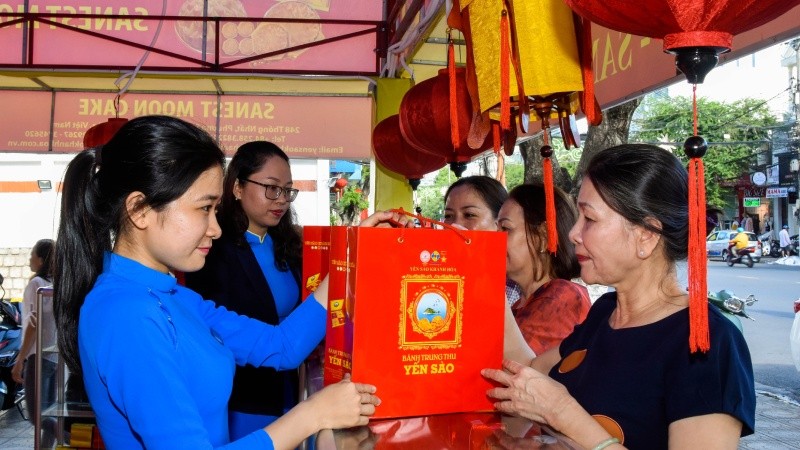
496	137
550	205
505	60
699	338
588	101
455	137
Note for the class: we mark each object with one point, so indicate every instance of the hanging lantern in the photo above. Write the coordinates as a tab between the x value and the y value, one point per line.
530	48
530	54
340	184
397	155
425	119
696	31
101	133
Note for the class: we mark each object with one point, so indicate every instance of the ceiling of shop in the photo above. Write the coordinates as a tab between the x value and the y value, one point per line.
427	56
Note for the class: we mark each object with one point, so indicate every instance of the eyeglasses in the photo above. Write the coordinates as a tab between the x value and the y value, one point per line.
273	192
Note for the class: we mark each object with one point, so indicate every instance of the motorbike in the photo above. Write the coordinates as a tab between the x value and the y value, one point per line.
766	244
732	306
766	247
775	248
10	342
742	256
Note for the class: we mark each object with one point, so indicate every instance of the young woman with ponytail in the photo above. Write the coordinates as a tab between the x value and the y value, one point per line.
156	358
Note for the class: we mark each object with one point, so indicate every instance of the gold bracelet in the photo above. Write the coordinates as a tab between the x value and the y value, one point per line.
606	443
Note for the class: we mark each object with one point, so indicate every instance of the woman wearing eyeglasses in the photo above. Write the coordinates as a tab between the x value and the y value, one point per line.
254	269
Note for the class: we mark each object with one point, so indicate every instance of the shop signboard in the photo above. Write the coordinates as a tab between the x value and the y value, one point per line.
777	192
303	126
773	174
751	202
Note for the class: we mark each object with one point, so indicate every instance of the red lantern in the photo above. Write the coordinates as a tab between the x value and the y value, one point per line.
397	155
101	133
425	119
340	184
696	30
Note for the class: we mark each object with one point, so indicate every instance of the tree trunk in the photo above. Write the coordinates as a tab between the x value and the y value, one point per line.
533	164
612	131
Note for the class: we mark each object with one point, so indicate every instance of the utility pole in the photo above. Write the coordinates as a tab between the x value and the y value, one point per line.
791	60
794	136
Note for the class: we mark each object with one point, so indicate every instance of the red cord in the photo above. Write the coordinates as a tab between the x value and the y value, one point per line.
496	137
694	109
455	138
589	103
505	88
550	206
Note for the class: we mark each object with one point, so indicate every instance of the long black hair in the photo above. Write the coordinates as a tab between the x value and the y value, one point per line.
488	189
286	238
642	182
44	249
531	198
159	156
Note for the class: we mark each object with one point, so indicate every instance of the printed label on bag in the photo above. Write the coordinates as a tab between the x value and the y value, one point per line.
431	308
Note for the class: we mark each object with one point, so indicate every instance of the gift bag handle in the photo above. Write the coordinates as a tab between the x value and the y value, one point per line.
426	221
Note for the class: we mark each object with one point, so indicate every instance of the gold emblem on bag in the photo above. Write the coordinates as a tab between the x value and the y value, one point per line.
431	311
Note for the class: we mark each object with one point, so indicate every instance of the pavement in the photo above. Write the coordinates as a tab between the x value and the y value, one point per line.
785	261
777	425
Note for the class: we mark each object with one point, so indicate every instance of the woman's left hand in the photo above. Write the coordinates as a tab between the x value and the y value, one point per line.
526	392
388	219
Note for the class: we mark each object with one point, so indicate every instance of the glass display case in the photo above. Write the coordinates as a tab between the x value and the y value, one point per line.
58	406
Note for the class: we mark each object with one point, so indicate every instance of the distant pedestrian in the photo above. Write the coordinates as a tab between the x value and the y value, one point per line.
747	223
786	244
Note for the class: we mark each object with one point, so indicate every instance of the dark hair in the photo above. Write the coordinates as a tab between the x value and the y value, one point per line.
286	239
490	190
44	249
642	182
159	156
531	198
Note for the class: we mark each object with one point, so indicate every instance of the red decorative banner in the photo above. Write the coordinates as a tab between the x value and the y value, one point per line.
117	33
304	127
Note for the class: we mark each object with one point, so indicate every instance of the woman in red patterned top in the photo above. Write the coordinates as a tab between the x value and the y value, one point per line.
551	305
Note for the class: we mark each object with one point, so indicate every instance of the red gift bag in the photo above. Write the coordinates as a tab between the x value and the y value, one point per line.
316	249
422	314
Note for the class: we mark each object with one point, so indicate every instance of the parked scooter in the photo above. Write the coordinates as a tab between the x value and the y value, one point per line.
775	248
742	256
731	306
766	244
10	342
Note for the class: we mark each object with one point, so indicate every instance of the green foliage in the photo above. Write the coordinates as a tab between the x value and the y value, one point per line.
567	159
736	133
515	174
350	205
431	198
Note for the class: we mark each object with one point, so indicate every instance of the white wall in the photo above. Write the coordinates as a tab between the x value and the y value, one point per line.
312	207
28	217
